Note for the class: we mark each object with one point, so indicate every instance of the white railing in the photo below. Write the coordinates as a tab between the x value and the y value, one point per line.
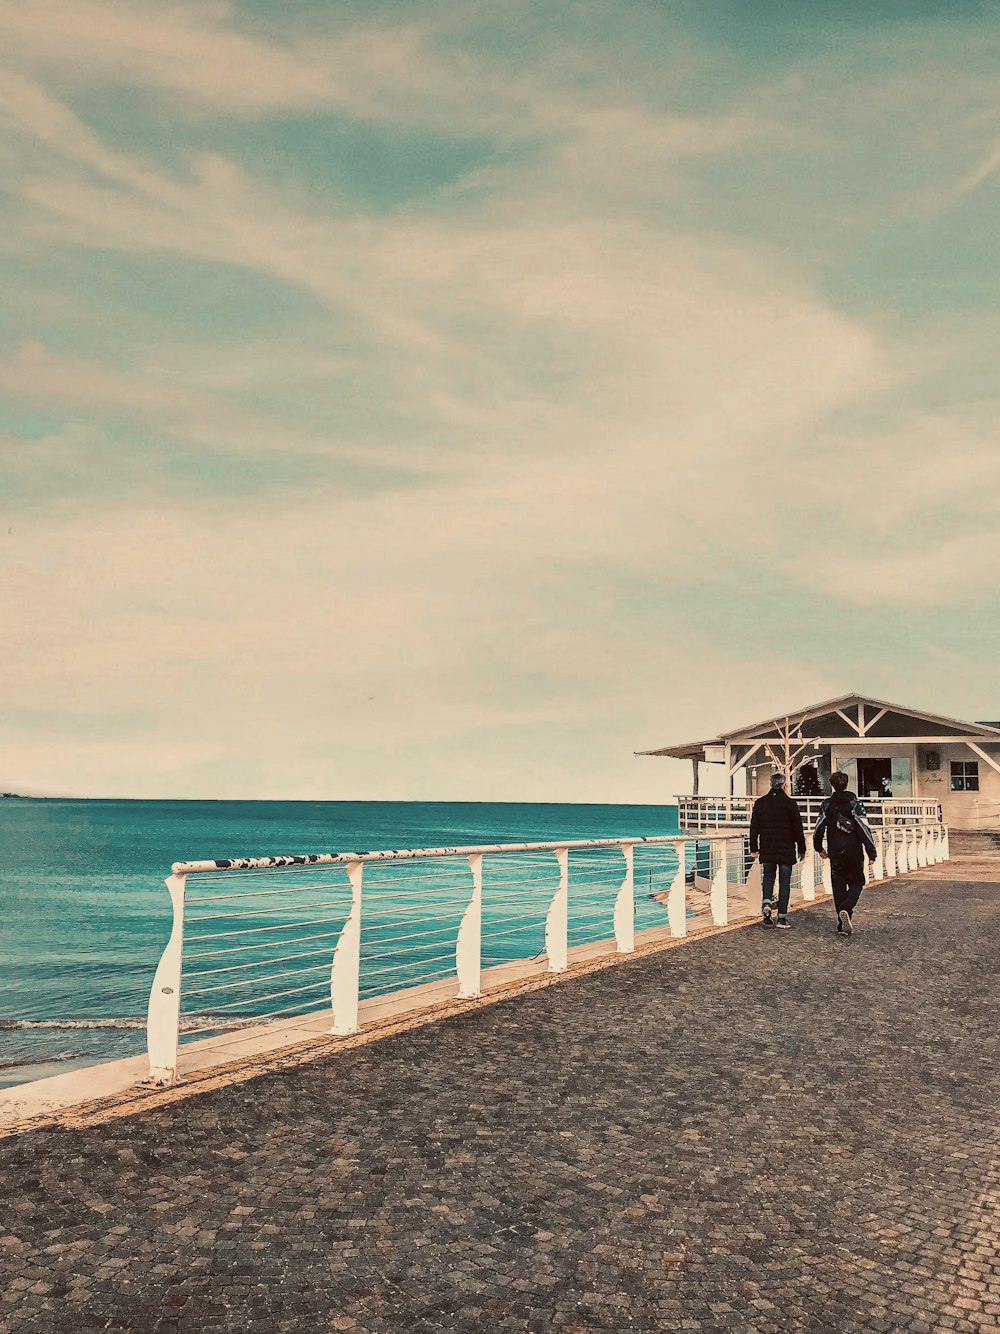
709	813
899	848
258	941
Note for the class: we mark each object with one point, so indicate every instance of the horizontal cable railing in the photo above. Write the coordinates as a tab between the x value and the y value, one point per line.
985	815
262	940
711	813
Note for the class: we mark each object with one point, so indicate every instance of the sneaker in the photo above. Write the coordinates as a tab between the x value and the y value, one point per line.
844	925
784	924
768	921
767	907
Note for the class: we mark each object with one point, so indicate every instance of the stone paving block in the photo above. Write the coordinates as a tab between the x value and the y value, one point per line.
747	1133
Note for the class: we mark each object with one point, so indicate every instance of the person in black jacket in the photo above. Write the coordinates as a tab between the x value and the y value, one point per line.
842	820
777	837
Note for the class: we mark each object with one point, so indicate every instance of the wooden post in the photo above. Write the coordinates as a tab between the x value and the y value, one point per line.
345	972
468	946
624	917
719	892
557	918
676	898
694	781
163	1015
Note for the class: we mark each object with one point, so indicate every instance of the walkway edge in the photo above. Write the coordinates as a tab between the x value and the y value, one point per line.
140	1098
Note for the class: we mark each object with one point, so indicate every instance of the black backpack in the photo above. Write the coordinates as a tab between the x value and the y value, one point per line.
843	822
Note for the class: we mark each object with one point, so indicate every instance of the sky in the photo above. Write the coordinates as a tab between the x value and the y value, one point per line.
449	400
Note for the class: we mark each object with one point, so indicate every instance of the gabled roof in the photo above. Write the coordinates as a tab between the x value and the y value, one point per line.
885	722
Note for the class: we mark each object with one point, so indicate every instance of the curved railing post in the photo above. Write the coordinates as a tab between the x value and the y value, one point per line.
469	945
719	893
625	906
677	894
921	845
164	1011
878	865
345	974
753	889
557	918
826	876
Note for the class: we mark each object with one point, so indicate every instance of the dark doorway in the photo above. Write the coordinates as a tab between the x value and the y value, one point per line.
874	778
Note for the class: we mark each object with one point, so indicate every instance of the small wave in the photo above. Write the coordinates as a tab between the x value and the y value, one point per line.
29	1061
204	1022
196	1024
19	1024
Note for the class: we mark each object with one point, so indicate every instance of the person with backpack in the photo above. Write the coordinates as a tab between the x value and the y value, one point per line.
843	822
777	837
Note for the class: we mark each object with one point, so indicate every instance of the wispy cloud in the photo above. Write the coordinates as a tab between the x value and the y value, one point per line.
426	70
981	172
195	51
534	458
495	318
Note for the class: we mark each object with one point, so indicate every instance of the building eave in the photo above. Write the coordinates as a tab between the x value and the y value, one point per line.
749	734
694	750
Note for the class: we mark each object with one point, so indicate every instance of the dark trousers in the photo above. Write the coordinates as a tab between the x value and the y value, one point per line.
784	883
847	883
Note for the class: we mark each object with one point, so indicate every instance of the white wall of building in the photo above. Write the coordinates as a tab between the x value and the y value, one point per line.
962	810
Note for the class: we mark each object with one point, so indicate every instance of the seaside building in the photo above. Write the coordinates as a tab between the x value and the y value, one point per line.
902	762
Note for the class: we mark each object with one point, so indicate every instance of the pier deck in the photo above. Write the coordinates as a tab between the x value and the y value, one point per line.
757	1131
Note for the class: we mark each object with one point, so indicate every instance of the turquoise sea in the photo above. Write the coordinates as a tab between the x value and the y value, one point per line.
84	913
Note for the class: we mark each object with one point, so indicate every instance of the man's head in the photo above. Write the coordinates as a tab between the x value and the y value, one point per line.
838	781
777	782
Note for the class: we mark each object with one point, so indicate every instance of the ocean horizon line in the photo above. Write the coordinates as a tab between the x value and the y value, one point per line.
331	801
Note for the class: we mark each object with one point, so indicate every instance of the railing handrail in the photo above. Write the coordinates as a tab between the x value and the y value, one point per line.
309	859
870	803
700	813
822	796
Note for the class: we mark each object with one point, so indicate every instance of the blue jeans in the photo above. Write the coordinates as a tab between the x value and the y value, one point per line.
784	884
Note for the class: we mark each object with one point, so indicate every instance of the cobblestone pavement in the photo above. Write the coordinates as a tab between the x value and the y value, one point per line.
759	1131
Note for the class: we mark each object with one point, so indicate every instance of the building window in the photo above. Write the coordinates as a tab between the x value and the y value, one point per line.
965	775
